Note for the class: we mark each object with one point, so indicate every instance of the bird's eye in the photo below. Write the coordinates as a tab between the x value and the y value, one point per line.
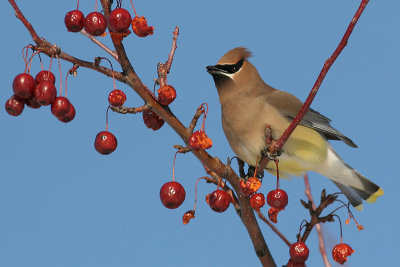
232	68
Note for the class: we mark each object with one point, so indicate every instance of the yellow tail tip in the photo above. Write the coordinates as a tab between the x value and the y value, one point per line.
359	207
375	196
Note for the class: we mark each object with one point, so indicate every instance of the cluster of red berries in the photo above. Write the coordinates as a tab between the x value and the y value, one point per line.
166	95
277	199
37	92
105	142
96	24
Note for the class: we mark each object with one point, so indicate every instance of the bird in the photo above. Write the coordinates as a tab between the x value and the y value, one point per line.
249	105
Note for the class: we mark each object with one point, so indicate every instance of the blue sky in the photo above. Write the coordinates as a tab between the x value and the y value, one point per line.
63	204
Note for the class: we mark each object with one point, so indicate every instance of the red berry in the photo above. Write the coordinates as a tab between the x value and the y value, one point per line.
69	116
140	27
299	252
95	24
105	142
341	251
74	21
172	195
152	120
116	98
45	93
119	20
14	105
60	106
219	201
166	95
45	75
257	201
277	199
32	102
291	263
23	85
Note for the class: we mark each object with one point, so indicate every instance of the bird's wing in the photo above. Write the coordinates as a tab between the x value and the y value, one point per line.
288	105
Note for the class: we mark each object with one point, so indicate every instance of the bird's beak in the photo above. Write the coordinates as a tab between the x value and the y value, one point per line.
214	70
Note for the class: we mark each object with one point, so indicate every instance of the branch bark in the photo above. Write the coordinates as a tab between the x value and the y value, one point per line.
129	76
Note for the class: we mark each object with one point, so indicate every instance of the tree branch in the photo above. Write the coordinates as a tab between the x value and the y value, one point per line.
327	65
100	44
321	241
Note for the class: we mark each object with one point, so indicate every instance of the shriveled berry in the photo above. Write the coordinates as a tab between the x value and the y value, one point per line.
119	20
273	215
116	98
250	186
341	251
166	95
219	201
14	106
200	140
74	21
299	252
69	116
172	195
140	27
24	85
60	106
105	142
152	120
277	199
45	75
188	216
45	93
95	24
257	201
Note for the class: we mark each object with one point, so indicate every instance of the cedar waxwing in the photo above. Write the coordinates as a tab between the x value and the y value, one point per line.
249	105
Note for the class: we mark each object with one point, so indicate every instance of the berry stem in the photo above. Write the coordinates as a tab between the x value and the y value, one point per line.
30	61
25	57
173	167
41	62
107	118
195	192
340	224
111	69
134	9
204	117
59	68
95	7
77	6
277	174
66	79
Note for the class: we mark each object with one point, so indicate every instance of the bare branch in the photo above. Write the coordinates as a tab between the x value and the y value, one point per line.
321	240
327	65
100	44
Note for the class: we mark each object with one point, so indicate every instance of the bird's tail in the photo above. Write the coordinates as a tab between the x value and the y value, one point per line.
352	183
369	193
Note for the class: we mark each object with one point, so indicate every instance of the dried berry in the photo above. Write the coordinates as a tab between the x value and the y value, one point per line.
166	95
140	27
341	251
199	140
250	186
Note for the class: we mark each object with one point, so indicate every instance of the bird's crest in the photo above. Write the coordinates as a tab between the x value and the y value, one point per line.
235	55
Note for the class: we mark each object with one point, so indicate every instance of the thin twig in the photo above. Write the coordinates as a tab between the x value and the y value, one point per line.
327	65
173	48
125	110
200	110
100	44
321	240
273	228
